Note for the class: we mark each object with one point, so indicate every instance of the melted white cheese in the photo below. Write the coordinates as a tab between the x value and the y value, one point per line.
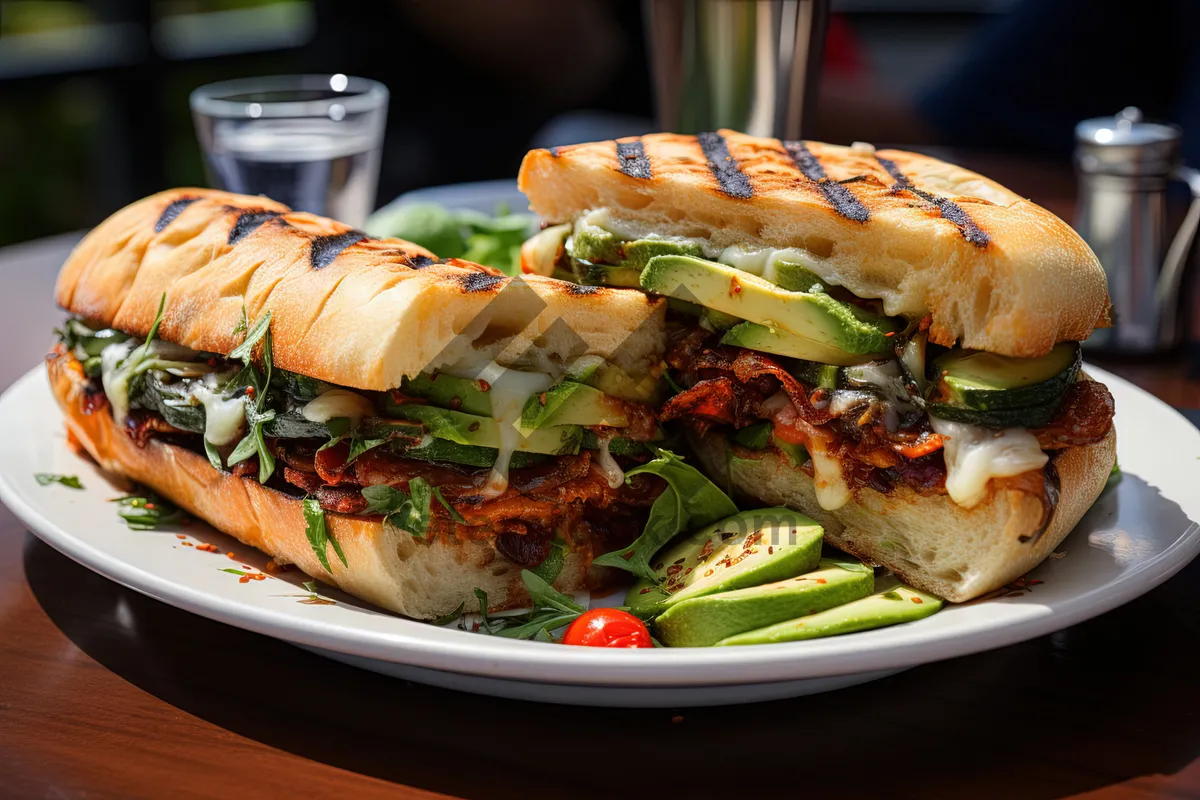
338	403
832	490
608	465
762	261
115	379
510	390
223	416
974	455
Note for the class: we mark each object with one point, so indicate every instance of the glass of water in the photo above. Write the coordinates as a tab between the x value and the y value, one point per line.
312	142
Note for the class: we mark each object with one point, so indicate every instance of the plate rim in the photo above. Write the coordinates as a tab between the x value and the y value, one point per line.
418	644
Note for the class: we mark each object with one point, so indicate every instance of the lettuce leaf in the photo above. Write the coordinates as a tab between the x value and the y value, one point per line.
690	501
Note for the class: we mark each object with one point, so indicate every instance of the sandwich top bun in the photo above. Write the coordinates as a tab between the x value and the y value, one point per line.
346	308
995	271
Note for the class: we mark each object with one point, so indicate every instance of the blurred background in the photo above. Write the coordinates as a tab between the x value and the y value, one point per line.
94	94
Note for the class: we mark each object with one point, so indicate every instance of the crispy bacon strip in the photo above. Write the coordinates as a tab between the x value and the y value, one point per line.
1084	417
718	400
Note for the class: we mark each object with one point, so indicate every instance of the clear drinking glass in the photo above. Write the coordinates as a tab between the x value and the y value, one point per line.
312	142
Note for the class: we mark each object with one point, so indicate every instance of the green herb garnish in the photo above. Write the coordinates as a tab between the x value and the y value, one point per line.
690	501
145	513
47	478
318	534
404	511
454	515
446	619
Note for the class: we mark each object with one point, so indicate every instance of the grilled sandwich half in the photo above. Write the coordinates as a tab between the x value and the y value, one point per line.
880	339
408	428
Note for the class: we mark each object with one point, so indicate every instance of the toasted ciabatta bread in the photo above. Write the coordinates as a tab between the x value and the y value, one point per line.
930	542
346	308
423	579
995	271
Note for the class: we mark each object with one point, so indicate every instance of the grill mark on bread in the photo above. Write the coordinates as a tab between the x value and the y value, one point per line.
836	194
479	282
946	207
248	222
723	166
324	249
173	210
632	160
419	262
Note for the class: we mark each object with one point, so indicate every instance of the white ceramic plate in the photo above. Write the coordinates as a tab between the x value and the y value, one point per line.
1137	535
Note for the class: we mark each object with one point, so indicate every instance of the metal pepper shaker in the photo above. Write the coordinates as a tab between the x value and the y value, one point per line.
1124	164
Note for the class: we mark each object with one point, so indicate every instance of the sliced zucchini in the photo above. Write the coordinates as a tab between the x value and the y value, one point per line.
988	382
640	251
1034	417
592	274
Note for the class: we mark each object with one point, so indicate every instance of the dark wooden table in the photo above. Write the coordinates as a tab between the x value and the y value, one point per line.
106	693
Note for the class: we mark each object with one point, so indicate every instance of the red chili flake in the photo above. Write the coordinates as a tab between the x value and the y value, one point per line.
917	600
208	548
244	579
673	569
259	576
474	426
149	506
483	385
926	321
455	403
232	556
686	571
181	536
250	392
770	549
643	591
735	287
890	334
274	567
710	572
542	399
822	580
187	544
247	566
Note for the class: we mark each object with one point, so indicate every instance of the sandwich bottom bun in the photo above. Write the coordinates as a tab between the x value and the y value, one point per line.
928	541
418	578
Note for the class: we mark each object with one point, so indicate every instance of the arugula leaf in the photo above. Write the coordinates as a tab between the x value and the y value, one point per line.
338	428
539	624
485	625
690	501
446	619
241	326
399	509
47	478
454	515
214	457
360	446
544	595
245	350
318	534
145	513
254	444
144	350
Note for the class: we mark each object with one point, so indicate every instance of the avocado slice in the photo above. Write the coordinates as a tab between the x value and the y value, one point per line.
718	320
989	382
793	277
779	342
592	243
469	429
795	454
704	621
814	316
639	252
572	403
449	391
902	604
749	548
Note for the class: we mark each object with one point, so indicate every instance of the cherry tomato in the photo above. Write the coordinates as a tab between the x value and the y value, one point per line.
608	627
